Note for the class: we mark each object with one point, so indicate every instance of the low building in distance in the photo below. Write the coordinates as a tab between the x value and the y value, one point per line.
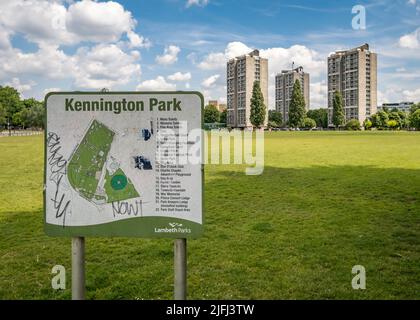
219	106
222	107
400	106
242	72
354	74
284	88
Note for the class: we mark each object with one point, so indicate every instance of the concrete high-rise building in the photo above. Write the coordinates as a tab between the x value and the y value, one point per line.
242	72
284	88
354	74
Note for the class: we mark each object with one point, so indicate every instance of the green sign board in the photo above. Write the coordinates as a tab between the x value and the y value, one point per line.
124	164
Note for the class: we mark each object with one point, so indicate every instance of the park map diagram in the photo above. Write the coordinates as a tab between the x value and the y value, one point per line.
94	173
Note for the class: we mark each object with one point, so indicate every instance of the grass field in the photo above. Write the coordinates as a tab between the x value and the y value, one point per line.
325	202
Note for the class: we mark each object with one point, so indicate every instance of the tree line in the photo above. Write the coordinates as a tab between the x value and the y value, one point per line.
394	119
19	113
385	119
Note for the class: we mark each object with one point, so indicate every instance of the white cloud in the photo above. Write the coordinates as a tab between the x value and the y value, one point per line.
104	66
235	49
170	55
411	40
19	86
39	21
210	81
217	60
99	21
390	94
52	23
199	3
48	90
318	96
137	41
213	61
279	58
49	61
178	76
49	21
414	3
282	58
394	93
412	95
4	39
382	98
207	95
158	84
135	54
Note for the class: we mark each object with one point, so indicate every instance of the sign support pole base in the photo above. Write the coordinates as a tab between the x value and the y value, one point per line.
180	268
78	268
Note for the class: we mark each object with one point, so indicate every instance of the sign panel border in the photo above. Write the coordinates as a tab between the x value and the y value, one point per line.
126	227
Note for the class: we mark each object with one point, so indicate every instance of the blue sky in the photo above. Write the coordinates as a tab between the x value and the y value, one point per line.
183	44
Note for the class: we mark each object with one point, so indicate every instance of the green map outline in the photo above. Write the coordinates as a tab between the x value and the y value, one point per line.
88	162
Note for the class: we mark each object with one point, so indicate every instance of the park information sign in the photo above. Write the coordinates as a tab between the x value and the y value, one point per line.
124	164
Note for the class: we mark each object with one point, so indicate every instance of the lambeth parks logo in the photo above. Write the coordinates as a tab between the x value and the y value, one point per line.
174	227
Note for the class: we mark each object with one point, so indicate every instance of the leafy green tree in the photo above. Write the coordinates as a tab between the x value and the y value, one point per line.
297	111
385	109
258	108
10	99
415	119
276	117
309	123
338	118
211	114
38	114
272	124
397	117
404	121
414	108
367	124
16	119
3	115
393	124
223	117
29	103
26	117
353	124
380	120
320	116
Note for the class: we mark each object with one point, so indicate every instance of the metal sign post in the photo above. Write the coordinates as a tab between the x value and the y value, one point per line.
78	268
180	268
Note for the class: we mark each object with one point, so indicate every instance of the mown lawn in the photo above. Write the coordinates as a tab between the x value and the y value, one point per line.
325	202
